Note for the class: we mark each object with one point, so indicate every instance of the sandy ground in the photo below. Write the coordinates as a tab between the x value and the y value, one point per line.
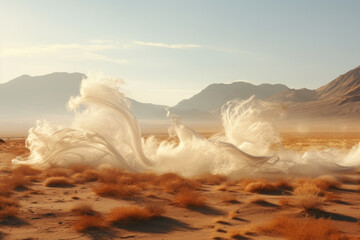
229	205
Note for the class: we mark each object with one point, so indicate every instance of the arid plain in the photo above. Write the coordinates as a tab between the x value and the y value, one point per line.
82	202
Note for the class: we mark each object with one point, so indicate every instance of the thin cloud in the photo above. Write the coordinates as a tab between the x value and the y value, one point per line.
68	51
165	45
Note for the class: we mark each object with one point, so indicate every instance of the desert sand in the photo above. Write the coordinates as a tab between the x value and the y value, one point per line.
81	202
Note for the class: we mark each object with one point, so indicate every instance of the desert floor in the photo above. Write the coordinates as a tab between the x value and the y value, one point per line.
80	202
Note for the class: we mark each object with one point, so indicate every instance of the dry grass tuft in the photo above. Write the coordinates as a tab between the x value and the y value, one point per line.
89	223
302	229
109	175
58	182
56	172
133	214
174	183
5	190
8	208
308	196
325	182
260	186
115	190
309	202
212	179
18	182
308	188
88	175
189	198
26	170
284	184
83	209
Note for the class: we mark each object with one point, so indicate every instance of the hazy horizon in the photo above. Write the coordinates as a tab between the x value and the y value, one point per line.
169	50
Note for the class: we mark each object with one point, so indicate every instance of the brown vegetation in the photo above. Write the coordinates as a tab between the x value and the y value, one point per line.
302	229
8	208
259	186
115	190
57	182
212	179
83	209
284	184
189	198
133	214
87	223
174	183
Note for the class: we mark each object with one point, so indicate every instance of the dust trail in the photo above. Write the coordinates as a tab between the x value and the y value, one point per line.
104	131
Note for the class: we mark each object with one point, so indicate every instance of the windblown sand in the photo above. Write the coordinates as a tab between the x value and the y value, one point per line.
81	202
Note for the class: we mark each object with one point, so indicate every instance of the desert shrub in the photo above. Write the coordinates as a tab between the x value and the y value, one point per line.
26	170
309	202
88	175
87	223
109	175
4	201
57	182
212	179
9	212
17	181
115	190
189	198
308	188
284	184
56	172
325	182
79	168
174	183
301	229
133	214
83	209
261	186
5	190
8	208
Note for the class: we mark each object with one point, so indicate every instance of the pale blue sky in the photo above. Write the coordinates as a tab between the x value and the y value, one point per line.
169	50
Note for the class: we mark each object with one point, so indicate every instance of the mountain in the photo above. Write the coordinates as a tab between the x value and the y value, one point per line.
339	99
215	95
294	95
344	89
48	94
25	99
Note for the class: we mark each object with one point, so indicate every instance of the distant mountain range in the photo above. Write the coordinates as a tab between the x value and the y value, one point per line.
29	97
215	95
